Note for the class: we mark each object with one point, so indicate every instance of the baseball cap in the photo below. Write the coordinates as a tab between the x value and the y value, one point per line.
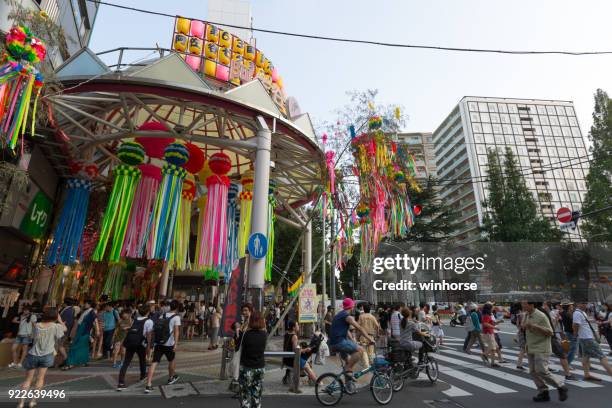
348	303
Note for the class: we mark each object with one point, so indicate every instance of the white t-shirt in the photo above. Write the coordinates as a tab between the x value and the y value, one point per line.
25	326
395	323
174	322
584	331
148	328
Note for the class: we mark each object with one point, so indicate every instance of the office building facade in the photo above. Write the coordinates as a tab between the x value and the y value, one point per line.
544	136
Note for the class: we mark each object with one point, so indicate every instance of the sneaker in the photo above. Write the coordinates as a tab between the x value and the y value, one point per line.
148	389
542	397
121	387
520	367
571	377
553	370
18	365
116	365
562	393
172	380
12	365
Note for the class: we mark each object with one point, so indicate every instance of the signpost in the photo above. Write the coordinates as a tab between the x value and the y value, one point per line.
564	215
258	245
308	303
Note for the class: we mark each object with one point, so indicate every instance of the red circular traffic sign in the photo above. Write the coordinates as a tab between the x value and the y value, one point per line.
564	214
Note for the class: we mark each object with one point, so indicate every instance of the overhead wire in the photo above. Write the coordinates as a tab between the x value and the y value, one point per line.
366	42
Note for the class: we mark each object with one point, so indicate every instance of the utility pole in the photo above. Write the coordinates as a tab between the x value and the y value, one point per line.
323	280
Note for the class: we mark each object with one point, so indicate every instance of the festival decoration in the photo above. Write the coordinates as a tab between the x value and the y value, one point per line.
246	202
384	170
136	241
19	82
233	221
196	158
180	245
154	146
69	229
214	229
271	219
167	203
117	212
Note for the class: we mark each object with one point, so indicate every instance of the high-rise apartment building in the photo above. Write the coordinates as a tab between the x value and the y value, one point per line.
545	138
75	17
422	148
236	13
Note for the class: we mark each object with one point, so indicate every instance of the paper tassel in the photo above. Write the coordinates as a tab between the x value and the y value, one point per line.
180	247
69	229
142	207
246	201
233	221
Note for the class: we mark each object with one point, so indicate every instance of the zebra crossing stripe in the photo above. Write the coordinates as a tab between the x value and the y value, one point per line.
579	384
476	381
456	392
498	374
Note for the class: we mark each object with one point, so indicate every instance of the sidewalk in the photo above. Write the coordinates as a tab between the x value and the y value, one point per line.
197	367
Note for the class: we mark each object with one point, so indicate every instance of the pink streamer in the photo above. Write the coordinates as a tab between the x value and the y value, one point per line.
136	240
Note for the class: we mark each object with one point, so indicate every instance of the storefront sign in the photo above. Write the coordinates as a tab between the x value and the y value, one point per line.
36	220
308	303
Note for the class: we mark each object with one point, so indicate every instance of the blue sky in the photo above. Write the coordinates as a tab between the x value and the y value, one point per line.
427	83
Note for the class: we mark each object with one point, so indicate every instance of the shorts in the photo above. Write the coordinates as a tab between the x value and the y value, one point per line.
590	348
557	349
303	362
437	331
31	361
160	351
25	340
344	347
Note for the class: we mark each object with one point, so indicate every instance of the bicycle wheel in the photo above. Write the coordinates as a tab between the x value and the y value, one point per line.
397	378
432	369
381	388
329	389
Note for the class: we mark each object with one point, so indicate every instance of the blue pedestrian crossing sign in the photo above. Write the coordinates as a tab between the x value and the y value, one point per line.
258	245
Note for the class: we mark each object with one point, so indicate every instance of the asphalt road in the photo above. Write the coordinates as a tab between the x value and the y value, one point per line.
464	382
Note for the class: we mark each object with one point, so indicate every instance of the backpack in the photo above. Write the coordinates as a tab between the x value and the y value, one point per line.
161	329
135	335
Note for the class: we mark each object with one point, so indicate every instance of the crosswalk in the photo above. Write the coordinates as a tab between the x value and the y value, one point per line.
467	375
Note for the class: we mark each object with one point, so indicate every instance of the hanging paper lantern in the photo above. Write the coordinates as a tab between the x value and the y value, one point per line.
69	229
131	153
154	146
214	230
375	122
176	154
204	173
196	158
246	201
220	163
118	209
136	239
168	201
197	28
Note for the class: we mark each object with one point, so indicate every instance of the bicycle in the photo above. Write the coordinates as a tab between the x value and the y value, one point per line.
330	388
403	367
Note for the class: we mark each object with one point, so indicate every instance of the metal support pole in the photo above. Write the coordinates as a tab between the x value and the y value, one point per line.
296	370
332	274
307	252
259	212
224	359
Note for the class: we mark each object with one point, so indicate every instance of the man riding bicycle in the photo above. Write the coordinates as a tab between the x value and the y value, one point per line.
339	337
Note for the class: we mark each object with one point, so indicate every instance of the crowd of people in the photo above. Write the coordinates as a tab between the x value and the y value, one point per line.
75	334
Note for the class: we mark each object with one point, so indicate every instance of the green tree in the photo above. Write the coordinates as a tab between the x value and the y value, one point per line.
598	227
349	275
436	221
511	213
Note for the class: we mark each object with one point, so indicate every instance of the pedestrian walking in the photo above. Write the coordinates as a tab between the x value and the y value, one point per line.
568	329
252	346
166	332
125	322
538	332
474	329
395	321
588	342
215	323
79	347
605	323
26	322
69	314
436	326
137	341
372	327
42	354
327	320
488	334
555	340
